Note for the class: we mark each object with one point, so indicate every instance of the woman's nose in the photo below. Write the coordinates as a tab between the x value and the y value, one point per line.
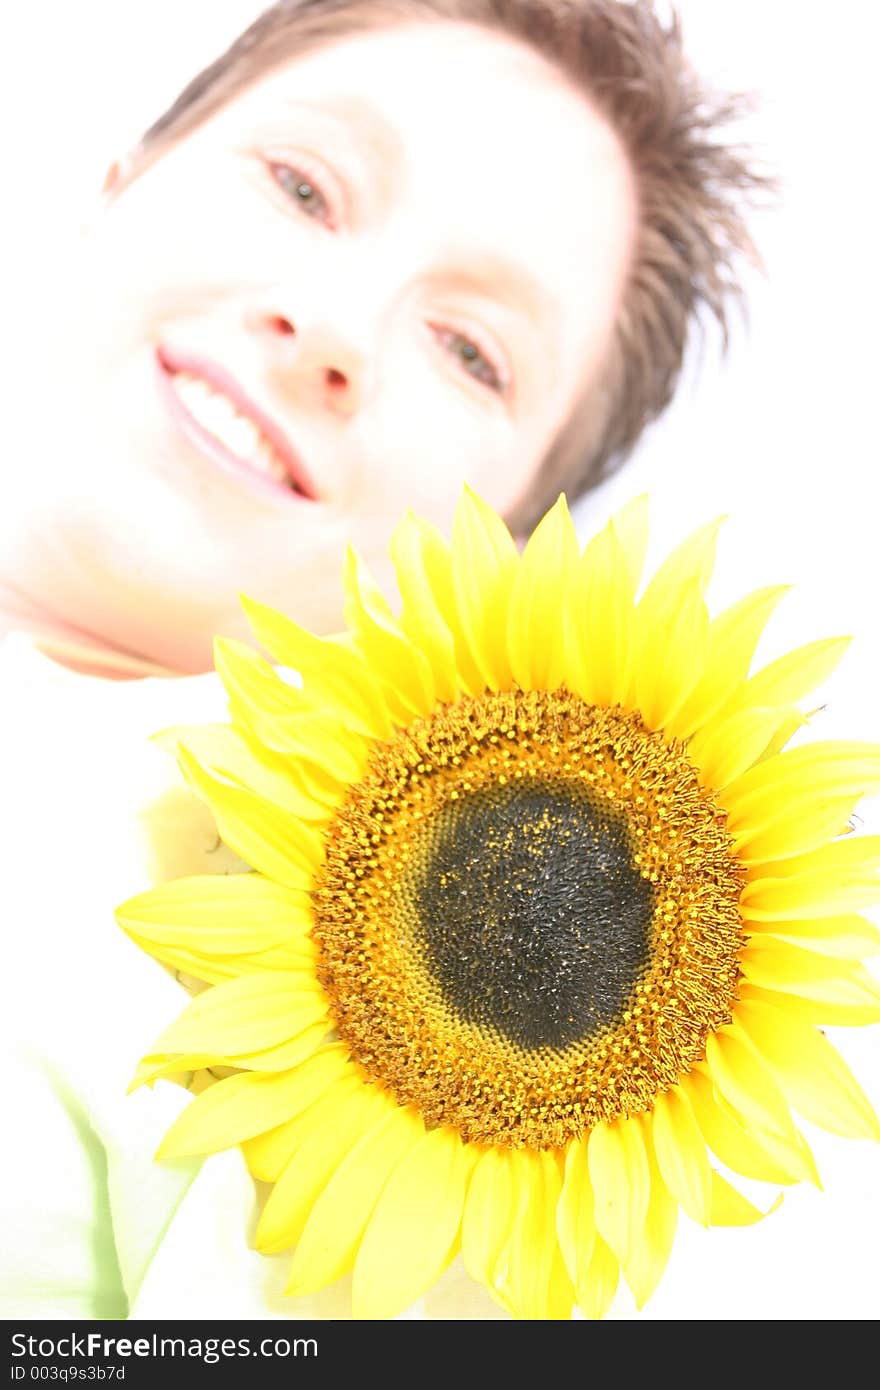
313	363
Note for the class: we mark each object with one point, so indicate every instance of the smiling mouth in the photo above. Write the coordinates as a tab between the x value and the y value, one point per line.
215	413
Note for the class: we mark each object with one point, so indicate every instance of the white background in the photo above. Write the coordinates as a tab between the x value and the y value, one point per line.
782	438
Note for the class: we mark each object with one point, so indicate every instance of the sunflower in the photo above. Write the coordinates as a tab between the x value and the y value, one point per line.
541	918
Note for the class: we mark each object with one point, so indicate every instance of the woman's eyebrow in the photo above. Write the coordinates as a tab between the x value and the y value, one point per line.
495	273
374	135
367	121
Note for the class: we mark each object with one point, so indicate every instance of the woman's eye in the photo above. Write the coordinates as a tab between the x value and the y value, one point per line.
301	189
472	358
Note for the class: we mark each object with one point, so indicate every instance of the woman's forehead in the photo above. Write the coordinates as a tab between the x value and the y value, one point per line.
438	87
477	143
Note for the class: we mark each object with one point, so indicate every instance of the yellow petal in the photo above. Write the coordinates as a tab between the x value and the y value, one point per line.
421	618
560	1293
691	562
851	937
731	642
575	1224
672	606
331	1236
297	956
252	682
245	1015
302	1042
536	628
538	1286
753	1152
336	675
425	1195
650	1250
793	970
596	1294
607	1169
786	831
325	751
267	1154
249	1103
235	756
812	1075
742	1078
630	526
618	1169
731	1208
176	1069
839	877
293	733
857	854
681	1156
788	679
228	914
832	767
438	569
603	618
671	656
729	744
790	721
256	830
488	1217
484	561
842	1015
325	1134
810	895
407	680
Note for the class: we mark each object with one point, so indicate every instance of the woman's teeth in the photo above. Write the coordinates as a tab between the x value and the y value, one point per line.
236	432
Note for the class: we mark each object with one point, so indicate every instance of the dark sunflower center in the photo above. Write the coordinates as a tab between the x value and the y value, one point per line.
527	920
534	920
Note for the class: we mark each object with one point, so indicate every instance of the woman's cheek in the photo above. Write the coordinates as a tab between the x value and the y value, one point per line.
433	434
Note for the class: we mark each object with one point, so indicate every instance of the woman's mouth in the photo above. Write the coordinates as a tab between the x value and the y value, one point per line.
215	414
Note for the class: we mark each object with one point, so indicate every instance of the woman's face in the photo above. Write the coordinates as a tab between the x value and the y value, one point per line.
385	269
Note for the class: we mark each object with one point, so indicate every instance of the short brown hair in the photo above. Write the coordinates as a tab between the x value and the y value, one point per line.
691	186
